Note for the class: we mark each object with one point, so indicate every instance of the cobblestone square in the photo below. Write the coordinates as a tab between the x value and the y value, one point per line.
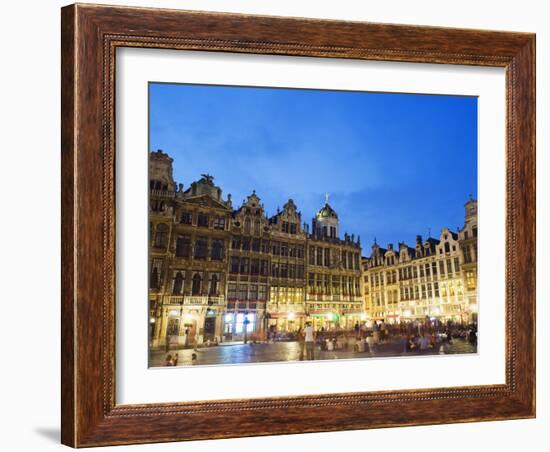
290	351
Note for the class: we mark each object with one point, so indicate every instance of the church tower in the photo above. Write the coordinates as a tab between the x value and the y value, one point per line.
326	223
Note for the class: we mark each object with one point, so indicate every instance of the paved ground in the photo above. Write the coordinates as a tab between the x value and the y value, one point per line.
290	351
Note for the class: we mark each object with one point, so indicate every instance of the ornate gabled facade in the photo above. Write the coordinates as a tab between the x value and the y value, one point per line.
286	309
435	278
220	274
189	239
248	271
334	274
224	274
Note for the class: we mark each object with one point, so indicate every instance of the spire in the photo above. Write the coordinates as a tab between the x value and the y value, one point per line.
326	198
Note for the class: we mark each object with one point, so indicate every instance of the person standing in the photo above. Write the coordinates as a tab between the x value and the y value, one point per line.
301	343
186	340
168	336
309	339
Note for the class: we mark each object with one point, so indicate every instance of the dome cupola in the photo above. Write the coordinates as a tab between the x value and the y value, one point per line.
325	223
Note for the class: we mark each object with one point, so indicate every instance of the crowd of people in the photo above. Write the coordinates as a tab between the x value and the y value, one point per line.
414	336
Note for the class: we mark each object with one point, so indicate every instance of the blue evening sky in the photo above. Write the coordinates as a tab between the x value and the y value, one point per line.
394	165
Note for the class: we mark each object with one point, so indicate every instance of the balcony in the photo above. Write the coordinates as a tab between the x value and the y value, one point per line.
162	193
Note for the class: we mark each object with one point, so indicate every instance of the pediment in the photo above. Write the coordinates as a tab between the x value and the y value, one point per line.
205	201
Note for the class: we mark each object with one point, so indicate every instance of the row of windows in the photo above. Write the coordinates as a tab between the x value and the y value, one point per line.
265	246
322	257
245	292
247	266
420	292
334	306
333	284
289	228
252	228
202	220
287	270
199	249
446	267
198	285
420	252
284	294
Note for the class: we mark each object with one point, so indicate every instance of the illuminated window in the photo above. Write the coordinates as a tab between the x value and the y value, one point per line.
240	322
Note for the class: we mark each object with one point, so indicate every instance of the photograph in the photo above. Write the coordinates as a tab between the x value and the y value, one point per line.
294	224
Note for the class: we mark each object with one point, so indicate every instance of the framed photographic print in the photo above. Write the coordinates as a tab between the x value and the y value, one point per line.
281	225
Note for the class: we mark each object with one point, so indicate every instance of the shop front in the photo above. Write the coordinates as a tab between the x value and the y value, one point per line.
243	326
285	322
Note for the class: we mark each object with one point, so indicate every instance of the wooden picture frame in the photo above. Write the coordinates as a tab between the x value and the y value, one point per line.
90	36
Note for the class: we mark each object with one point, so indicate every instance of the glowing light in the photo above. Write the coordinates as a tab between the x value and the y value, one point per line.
228	317
329	316
291	316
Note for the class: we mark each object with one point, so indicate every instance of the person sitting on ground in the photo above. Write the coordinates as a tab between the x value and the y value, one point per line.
424	343
411	344
168	360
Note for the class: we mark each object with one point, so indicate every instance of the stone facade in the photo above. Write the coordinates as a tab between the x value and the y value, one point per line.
220	274
189	235
217	273
435	278
334	274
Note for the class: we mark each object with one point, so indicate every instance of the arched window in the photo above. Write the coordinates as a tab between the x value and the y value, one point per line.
178	284
197	283
247	225
447	247
161	237
257	227
214	285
